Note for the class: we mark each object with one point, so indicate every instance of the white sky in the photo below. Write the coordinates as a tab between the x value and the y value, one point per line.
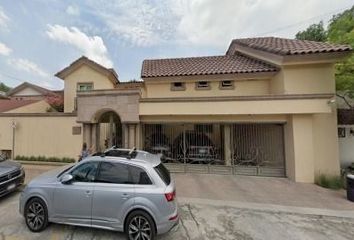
40	37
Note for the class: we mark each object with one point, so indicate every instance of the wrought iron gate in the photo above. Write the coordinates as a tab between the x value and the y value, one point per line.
248	149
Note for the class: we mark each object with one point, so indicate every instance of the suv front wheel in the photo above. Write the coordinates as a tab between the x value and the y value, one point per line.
139	225
36	215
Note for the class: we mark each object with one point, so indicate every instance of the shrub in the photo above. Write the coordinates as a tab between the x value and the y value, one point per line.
45	159
331	182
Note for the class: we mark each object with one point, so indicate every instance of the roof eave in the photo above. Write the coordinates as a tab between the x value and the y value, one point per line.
109	72
241	76
280	60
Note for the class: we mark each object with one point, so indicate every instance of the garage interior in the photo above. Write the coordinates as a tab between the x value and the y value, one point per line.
240	148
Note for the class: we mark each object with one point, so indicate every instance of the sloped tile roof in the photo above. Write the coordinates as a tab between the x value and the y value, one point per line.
226	64
283	46
25	85
85	60
10	104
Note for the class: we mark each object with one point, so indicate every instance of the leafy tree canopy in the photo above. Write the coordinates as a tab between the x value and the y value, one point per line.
4	88
341	31
315	32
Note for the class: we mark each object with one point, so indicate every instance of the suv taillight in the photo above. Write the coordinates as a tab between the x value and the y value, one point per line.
170	196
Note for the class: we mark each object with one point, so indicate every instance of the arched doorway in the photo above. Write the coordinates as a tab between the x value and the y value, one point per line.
109	131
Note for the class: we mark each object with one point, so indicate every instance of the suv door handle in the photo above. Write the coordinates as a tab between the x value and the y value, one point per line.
125	195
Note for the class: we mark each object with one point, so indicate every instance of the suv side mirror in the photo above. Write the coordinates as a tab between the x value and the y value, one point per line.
66	179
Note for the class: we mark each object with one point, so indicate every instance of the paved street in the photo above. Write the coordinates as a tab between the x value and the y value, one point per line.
198	221
208	212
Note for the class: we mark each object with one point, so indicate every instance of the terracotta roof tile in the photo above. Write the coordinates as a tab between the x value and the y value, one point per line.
10	104
226	64
283	46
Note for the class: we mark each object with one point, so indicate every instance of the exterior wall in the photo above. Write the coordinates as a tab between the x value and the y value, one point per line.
37	107
277	83
299	149
311	146
94	103
346	146
212	107
326	144
45	135
276	118
27	92
82	75
161	87
306	79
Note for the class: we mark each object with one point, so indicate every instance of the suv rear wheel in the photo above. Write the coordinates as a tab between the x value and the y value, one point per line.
36	215
139	225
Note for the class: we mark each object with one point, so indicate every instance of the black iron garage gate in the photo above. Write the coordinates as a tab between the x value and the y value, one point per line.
245	149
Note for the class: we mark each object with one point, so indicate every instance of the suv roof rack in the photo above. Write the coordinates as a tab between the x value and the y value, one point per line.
131	152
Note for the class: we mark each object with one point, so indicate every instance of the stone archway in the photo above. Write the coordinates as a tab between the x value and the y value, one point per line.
109	131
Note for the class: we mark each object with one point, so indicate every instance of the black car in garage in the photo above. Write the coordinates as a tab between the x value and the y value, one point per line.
198	148
12	176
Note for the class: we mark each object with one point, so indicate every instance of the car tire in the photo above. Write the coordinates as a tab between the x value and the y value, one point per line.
140	222
36	215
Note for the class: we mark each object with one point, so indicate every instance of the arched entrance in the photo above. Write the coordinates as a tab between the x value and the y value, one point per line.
109	131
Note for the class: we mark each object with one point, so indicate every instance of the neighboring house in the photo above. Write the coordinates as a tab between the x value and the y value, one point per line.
23	106
264	108
346	136
28	91
3	95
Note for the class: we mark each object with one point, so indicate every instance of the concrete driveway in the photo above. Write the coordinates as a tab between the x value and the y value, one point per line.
222	207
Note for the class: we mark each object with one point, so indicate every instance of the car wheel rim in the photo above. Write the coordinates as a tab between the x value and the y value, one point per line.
35	216
139	229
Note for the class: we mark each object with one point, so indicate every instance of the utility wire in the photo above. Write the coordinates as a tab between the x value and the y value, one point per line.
12	77
303	21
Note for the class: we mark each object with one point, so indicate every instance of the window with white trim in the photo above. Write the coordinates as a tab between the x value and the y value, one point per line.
82	87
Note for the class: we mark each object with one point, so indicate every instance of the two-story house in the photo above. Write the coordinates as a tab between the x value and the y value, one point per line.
266	108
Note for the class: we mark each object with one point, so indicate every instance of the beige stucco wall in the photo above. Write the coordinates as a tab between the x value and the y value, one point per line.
299	148
211	107
311	146
326	144
84	74
41	135
37	107
304	79
161	87
276	118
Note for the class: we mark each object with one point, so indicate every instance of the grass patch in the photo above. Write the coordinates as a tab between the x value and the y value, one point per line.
331	182
45	159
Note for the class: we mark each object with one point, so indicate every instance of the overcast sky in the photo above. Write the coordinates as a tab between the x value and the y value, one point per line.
40	37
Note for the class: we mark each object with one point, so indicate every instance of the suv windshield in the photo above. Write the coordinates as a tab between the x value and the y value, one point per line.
163	173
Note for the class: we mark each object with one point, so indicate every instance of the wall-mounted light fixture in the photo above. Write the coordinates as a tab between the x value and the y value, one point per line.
331	101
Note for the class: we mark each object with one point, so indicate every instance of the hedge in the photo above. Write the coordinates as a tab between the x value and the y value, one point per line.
45	159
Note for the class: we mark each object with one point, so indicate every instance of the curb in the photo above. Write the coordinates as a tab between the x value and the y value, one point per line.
271	207
42	163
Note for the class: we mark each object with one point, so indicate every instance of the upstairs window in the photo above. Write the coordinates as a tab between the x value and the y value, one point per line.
202	85
178	86
82	87
227	84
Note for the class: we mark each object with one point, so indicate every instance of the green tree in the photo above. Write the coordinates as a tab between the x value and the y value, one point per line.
341	31
315	32
4	88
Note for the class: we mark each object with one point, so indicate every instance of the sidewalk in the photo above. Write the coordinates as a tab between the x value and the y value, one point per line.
260	190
